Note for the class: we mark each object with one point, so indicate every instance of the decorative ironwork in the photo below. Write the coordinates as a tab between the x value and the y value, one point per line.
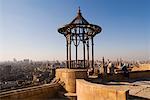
79	30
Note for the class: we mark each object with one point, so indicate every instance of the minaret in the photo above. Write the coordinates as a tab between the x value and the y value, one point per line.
103	69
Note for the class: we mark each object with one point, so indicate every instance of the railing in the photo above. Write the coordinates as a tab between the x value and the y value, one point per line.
78	64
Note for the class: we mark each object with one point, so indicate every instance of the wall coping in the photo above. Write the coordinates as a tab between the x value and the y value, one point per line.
82	81
11	92
70	70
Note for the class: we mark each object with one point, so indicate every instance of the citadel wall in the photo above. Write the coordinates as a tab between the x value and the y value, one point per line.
36	92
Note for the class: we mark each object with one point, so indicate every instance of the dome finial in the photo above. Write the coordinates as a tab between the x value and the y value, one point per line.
79	11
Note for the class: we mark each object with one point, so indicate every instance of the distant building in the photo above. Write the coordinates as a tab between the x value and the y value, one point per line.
6	71
26	60
15	60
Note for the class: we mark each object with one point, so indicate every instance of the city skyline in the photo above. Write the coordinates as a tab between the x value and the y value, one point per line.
28	28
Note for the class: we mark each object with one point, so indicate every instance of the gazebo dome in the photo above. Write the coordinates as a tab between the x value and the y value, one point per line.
80	22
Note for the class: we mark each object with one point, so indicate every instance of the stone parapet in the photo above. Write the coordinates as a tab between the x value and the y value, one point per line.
141	67
91	91
132	75
36	92
69	76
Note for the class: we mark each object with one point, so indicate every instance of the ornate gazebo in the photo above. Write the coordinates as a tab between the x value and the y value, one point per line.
77	32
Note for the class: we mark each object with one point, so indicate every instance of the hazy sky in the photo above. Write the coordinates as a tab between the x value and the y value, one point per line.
28	28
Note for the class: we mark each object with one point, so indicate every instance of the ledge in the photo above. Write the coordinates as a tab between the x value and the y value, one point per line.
70	70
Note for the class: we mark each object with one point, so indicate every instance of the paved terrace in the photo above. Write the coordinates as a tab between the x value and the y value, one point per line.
138	89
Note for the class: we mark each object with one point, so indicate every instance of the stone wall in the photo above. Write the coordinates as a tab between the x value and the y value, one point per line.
139	74
132	75
69	76
141	67
91	91
31	93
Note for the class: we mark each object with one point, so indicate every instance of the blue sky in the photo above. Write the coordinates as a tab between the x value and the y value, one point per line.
28	28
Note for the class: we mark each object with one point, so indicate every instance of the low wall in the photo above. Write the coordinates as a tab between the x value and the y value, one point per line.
141	67
91	91
139	74
69	76
132	75
31	93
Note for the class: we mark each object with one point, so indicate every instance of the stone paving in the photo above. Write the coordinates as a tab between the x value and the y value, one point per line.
136	88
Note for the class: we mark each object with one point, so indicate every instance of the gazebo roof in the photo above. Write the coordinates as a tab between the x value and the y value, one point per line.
80	21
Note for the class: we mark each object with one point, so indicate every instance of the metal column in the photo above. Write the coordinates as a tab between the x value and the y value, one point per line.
92	52
88	53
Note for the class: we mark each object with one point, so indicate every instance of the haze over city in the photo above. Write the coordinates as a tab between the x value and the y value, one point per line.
28	28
